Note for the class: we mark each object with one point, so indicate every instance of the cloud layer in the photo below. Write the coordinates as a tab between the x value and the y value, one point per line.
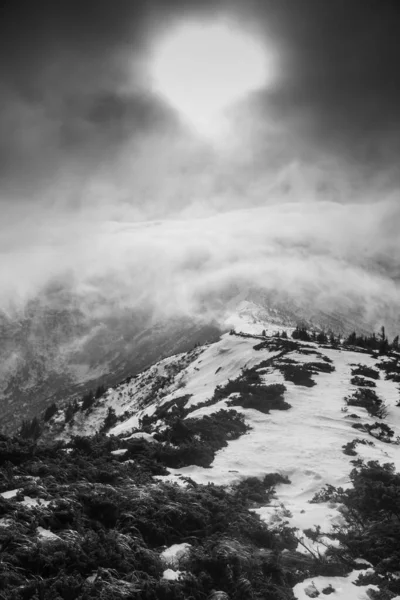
105	191
321	254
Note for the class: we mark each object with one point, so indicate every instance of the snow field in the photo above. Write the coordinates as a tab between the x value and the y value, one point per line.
305	443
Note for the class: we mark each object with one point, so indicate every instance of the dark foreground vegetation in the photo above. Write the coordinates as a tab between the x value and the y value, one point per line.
86	524
110	521
372	530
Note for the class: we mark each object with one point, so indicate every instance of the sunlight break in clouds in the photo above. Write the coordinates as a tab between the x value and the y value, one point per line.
202	68
101	182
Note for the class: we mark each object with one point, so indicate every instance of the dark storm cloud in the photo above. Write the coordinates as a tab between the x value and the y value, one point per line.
73	85
339	85
62	67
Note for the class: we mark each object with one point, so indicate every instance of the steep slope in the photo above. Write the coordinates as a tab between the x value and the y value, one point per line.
60	344
53	350
309	412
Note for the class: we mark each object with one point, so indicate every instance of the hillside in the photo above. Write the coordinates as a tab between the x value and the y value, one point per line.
54	350
59	345
257	465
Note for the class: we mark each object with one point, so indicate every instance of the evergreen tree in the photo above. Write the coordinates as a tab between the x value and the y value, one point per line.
384	343
110	420
351	340
101	389
301	333
88	400
31	429
50	412
69	412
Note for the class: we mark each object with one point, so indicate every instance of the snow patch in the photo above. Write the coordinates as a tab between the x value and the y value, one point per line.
172	575
10	493
172	556
46	534
344	587
33	502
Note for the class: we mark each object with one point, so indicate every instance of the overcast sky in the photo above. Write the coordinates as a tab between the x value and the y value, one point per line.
85	143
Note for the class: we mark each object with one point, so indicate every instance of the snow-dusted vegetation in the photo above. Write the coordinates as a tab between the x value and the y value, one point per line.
261	466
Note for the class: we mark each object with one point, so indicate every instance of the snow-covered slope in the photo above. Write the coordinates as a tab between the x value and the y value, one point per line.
60	345
304	443
53	351
249	317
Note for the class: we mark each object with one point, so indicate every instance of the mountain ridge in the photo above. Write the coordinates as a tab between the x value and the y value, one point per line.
257	406
59	346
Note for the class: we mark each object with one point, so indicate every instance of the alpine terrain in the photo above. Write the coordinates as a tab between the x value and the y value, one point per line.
53	349
263	465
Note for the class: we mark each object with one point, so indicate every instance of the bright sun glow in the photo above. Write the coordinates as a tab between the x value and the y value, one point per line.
201	69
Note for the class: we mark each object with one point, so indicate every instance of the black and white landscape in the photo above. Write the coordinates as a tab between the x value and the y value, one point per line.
199	299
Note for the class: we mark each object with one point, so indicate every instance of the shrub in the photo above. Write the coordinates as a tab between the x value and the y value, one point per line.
190	453
167	412
391	369
250	393
197	440
262	398
365	398
350	447
365	371
381	431
115	531
255	491
361	382
297	374
281	343
372	529
251	376
359	426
